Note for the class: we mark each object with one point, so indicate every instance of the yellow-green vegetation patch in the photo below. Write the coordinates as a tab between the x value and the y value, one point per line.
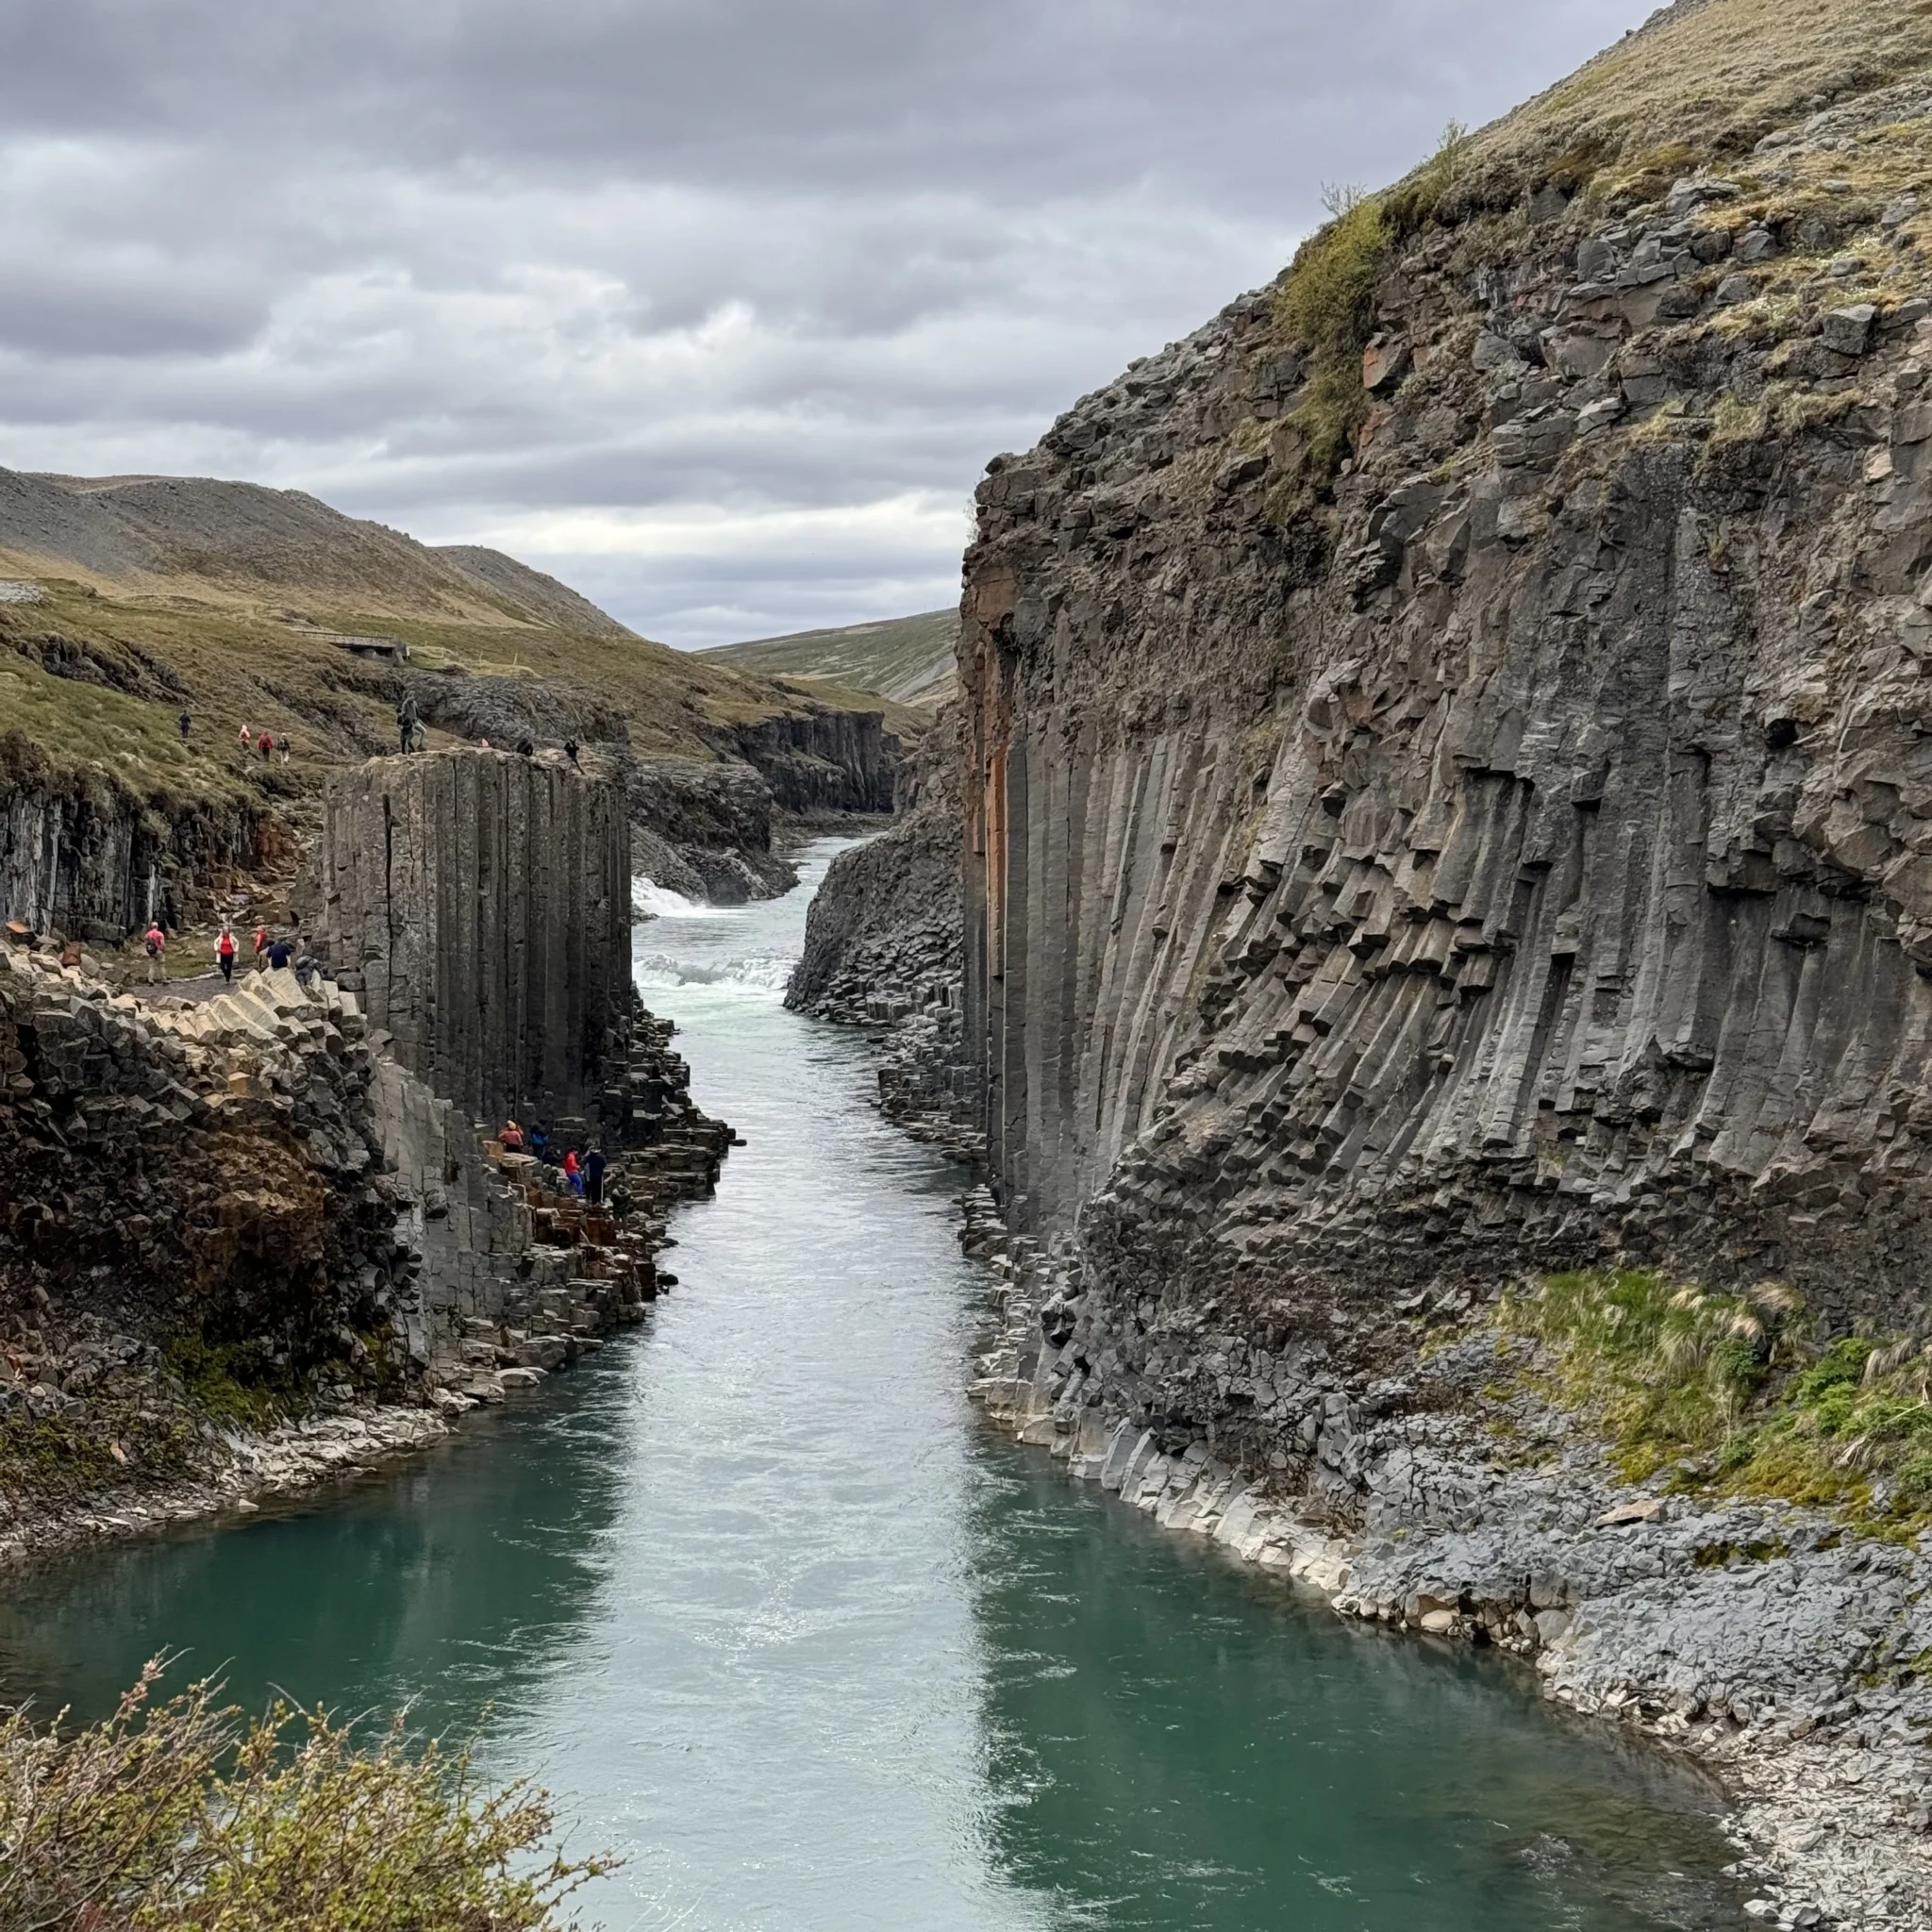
76	1453
1716	1391
185	1814
233	1383
1326	302
1670	1368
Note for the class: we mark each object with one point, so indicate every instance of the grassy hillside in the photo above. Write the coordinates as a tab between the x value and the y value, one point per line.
908	660
1703	80
152	594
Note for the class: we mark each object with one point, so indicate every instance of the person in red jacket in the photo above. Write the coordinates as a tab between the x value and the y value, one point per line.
572	1173
260	944
224	951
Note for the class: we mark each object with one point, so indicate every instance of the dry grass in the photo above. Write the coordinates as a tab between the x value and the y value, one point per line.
184	1815
1702	86
236	663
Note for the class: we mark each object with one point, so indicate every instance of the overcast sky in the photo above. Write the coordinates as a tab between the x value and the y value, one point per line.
714	308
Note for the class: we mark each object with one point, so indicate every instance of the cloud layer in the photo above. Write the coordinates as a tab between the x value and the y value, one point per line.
714	308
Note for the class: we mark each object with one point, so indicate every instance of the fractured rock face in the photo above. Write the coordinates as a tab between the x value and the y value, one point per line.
479	902
1521	862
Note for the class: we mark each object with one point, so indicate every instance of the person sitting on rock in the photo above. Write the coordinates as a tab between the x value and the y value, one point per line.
526	747
279	953
156	940
512	1138
224	951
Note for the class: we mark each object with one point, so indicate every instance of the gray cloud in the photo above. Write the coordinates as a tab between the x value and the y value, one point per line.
765	279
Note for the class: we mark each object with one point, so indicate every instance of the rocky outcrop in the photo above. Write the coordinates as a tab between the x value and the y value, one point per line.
882	948
882	934
505	710
243	1250
1516	860
83	857
705	830
820	758
479	904
1443	804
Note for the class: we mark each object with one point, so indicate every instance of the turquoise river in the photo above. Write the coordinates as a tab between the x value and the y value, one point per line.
779	1621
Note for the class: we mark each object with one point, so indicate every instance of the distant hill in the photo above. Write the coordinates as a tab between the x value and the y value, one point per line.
125	600
908	660
541	598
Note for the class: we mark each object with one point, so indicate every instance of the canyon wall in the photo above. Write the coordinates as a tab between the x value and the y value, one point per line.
479	904
824	760
1514	853
91	861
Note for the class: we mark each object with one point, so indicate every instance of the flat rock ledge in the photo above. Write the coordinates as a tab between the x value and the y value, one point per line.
1791	1677
246	1472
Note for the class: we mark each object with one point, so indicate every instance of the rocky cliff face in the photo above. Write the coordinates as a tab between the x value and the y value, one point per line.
479	904
1446	800
89	859
1515	851
823	759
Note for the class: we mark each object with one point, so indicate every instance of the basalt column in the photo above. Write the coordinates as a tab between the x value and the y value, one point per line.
482	901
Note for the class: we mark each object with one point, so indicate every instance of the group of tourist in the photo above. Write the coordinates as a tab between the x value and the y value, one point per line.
272	950
251	743
585	1177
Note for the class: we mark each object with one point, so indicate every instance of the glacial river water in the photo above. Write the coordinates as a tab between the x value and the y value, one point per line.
778	1622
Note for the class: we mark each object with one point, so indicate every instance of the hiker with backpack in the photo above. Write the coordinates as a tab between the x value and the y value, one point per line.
156	940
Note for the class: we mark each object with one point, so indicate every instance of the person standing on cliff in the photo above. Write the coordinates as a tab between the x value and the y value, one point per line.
569	751
260	946
406	722
593	1176
187	724
572	1173
225	952
156	940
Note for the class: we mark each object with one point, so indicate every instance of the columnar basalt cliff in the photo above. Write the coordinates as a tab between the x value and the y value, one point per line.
245	1245
86	858
479	903
1445	802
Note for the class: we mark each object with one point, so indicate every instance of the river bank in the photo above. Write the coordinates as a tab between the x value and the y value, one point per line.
754	1592
1757	1639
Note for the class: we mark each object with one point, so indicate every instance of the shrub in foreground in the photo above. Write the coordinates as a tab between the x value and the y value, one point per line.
186	1815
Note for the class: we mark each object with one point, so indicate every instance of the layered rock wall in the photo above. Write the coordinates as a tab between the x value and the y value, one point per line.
92	862
480	904
1520	861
